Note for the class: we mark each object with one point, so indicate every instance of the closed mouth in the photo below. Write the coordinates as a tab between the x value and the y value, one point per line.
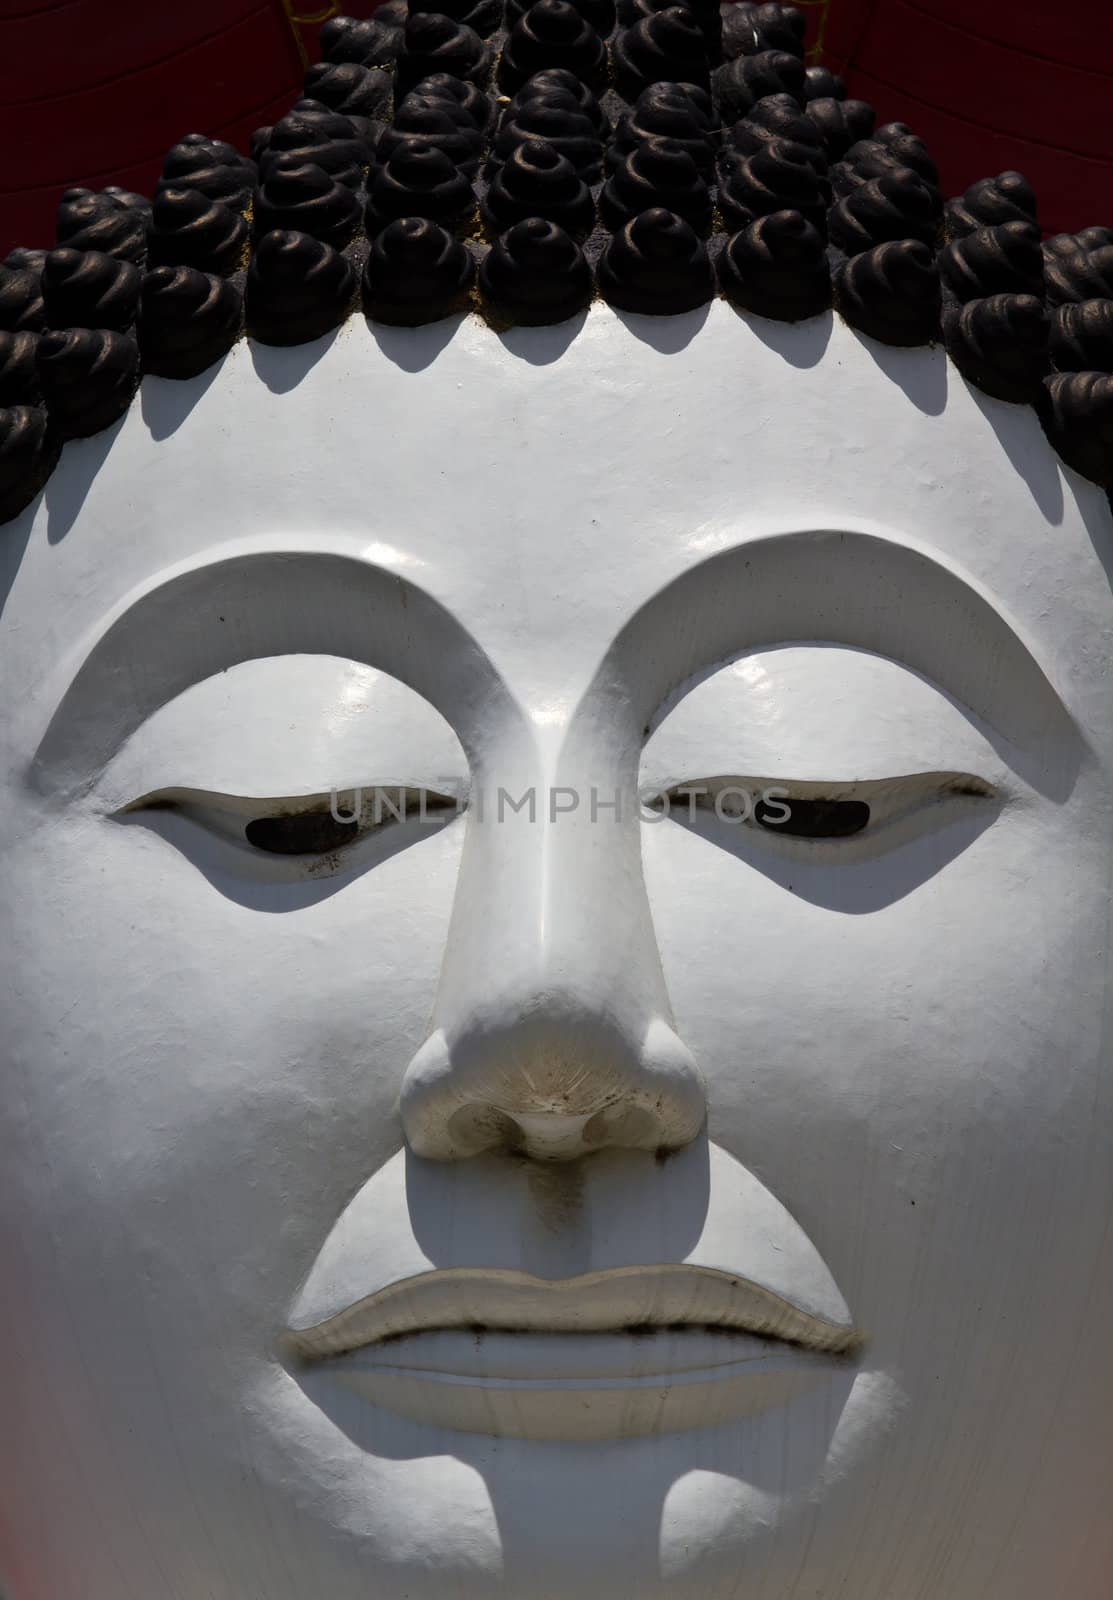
615	1353
642	1298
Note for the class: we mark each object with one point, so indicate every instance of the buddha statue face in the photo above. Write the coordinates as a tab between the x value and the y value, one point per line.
555	991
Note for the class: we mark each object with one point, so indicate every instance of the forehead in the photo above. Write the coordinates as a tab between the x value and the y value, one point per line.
543	484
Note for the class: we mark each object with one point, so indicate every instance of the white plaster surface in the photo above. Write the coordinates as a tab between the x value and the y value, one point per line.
871	1078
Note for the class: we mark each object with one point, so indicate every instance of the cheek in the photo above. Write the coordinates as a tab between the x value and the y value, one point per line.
198	1084
916	1082
214	1059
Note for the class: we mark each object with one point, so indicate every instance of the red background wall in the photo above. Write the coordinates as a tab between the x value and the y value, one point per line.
95	91
990	85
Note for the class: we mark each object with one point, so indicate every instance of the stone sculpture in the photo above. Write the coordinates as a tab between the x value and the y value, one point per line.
556	847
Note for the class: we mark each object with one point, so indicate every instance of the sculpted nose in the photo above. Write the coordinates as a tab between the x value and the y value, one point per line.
552	1033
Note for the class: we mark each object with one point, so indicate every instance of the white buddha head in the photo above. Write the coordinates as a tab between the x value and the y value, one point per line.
556	1026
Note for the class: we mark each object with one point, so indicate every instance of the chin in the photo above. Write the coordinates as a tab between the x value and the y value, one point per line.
417	1511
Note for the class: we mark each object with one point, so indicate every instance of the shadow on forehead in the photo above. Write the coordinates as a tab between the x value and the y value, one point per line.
671	356
914	615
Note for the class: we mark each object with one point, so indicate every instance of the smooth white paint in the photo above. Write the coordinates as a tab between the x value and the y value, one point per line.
871	1077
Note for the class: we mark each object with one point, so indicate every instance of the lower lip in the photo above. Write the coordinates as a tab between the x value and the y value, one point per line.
578	1386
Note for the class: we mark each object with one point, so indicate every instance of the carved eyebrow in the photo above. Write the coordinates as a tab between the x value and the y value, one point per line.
867	591
213	614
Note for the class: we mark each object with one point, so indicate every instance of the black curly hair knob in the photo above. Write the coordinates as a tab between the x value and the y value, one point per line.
907	150
778	176
434	43
1000	343
260	143
820	83
434	123
537	181
21	259
21	300
88	376
1078	267
657	264
419	181
552	33
1076	410
355	91
667	111
778	116
999	260
187	320
555	82
598	14
683	107
484	16
558	118
656	173
28	452
707	15
740	84
87	289
466	99
991	201
299	196
189	230
365	42
874	158
19	377
297	288
777	267
862	162
1091	239
535	274
891	292
107	222
392	13
667	47
898	205
324	137
748	29
1067	244
841	123
129	198
1082	336
416	272
215	168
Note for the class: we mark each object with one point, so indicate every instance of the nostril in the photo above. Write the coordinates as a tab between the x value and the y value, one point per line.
630	1126
475	1128
550	1085
597	1129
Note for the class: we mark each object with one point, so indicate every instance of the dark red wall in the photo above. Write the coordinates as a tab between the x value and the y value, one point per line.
989	85
95	91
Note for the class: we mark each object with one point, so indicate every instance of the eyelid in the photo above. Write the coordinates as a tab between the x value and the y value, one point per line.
734	798
373	805
928	785
253	805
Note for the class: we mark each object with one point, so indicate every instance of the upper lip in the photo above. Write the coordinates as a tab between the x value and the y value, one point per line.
540	1340
425	1248
638	1298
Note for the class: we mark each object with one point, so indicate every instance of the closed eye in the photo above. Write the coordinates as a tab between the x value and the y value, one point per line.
303	833
815	818
309	825
828	811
